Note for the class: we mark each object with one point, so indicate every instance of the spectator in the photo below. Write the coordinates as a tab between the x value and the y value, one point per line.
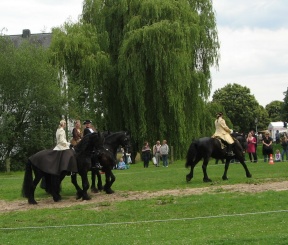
122	165
164	151
146	154
156	153
277	136
267	146
284	144
278	156
251	147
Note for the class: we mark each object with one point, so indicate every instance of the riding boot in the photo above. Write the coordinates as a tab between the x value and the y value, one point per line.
230	152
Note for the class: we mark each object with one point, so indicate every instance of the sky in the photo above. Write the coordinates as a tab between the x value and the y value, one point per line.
253	37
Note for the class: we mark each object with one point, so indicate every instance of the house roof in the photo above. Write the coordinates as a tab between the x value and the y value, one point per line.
43	39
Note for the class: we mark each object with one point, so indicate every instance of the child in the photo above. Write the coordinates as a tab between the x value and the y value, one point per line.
278	156
122	165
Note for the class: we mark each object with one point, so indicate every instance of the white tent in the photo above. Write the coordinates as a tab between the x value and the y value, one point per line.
274	126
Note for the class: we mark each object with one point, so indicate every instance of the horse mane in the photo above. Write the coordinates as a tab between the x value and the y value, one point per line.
88	142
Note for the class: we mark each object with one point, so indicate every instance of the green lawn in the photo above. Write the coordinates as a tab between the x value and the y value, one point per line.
209	218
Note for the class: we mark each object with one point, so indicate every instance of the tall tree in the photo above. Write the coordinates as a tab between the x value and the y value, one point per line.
241	107
284	108
274	110
30	99
161	52
84	64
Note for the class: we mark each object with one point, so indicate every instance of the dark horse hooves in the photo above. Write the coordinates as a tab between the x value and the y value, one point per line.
79	195
94	190
188	178
57	198
249	175
32	202
224	178
109	191
207	180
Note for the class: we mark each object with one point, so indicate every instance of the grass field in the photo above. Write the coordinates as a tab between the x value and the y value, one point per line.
221	216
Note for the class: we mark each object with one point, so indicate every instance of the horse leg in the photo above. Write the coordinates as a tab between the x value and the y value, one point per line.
248	174
85	186
99	182
93	180
55	188
193	164
204	169
227	163
79	193
108	183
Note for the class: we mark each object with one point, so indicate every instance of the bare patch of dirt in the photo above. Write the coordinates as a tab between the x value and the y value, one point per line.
119	196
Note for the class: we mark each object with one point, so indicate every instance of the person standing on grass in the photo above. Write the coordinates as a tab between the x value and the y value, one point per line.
251	148
284	145
267	146
146	154
164	151
156	152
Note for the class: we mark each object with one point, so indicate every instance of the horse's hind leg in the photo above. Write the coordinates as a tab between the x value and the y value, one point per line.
204	169
248	174
94	173
193	164
224	177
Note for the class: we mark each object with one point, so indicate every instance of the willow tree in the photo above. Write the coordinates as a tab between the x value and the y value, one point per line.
161	52
82	65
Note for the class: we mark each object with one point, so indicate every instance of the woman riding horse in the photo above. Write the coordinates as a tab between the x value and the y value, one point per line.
55	165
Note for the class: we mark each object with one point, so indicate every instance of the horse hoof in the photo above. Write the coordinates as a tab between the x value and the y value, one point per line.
249	175
188	178
207	180
33	202
224	178
94	190
86	197
109	192
57	199
78	195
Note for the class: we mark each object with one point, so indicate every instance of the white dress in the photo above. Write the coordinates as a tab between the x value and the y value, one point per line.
62	143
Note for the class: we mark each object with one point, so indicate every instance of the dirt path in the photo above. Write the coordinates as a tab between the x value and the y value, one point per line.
123	196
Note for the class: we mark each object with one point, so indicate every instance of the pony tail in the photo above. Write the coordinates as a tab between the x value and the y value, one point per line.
28	181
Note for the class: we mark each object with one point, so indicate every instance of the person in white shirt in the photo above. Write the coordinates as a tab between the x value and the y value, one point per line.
61	140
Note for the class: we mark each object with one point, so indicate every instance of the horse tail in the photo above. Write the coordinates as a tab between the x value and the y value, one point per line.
191	154
28	180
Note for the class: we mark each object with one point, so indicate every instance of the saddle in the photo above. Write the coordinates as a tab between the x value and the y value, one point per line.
223	145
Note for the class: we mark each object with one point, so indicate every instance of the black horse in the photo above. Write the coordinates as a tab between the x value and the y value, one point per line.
55	165
106	156
207	147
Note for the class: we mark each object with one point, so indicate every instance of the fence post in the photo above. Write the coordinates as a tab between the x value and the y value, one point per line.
8	163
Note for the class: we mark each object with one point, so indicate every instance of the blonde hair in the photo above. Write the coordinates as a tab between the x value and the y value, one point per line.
61	124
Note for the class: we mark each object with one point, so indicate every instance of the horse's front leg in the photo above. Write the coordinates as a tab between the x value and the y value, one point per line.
85	186
190	175
93	180
79	193
248	174
204	169
110	178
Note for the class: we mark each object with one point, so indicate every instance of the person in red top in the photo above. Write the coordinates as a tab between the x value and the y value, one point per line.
251	147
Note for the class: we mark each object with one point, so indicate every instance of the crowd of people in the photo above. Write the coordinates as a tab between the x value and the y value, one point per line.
156	154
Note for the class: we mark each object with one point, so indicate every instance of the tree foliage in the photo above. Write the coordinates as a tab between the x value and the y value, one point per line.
160	52
77	54
30	100
284	108
274	110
